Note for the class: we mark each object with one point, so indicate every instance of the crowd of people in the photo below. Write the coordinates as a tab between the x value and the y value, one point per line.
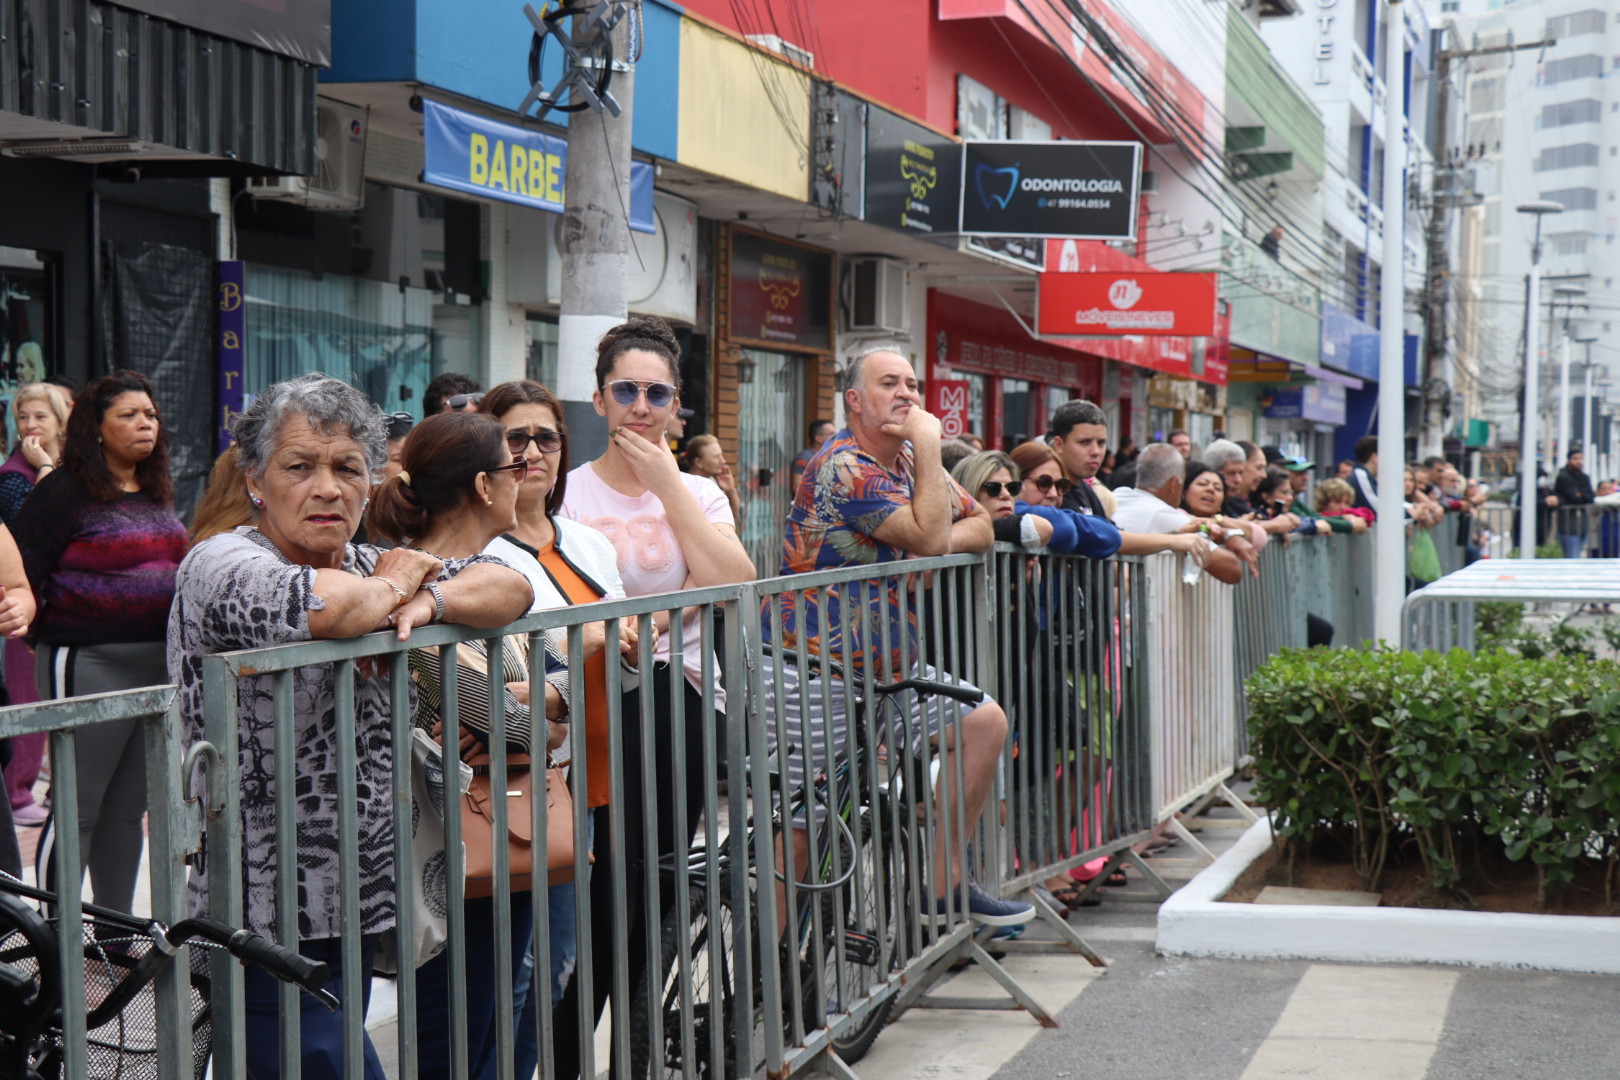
329	519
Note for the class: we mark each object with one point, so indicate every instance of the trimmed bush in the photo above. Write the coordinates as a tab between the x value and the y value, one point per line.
1466	757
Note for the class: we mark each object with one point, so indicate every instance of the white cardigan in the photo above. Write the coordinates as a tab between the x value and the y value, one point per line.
592	557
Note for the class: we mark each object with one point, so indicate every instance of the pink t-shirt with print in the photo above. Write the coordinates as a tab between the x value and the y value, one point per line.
650	559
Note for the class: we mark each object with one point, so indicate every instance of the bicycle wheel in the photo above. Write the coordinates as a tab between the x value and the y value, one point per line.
712	1003
871	910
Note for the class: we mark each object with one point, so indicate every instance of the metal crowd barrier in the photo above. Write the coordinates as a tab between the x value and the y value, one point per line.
1121	686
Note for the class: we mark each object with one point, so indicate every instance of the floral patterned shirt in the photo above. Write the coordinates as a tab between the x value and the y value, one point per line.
845	496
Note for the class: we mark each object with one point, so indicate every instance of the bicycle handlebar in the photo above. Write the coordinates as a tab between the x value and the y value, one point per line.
245	945
966	695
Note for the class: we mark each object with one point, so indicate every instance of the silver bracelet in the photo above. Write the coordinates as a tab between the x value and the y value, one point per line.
438	600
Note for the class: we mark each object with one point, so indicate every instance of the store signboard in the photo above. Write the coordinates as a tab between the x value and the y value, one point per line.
1320	402
1125	302
232	354
948	400
781	293
913	175
1086	190
474	154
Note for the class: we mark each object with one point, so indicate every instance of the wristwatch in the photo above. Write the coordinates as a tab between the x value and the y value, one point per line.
432	588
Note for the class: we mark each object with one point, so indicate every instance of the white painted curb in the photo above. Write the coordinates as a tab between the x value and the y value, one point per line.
1194	922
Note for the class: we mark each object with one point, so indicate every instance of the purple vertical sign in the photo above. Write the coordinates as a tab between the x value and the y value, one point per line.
232	351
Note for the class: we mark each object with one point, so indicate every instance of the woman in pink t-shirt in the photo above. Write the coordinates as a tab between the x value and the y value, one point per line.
670	530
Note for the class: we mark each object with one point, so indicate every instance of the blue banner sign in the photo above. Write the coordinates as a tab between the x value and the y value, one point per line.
480	156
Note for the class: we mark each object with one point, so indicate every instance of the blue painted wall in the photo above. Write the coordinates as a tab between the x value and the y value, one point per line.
480	49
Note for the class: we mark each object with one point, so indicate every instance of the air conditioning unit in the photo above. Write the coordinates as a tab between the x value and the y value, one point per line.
339	180
878	298
1150	182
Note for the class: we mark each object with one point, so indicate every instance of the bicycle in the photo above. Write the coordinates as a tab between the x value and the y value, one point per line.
861	910
122	956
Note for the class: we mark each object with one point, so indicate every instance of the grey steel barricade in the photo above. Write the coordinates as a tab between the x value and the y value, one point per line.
67	721
1191	673
1441	616
1069	672
633	751
1267	615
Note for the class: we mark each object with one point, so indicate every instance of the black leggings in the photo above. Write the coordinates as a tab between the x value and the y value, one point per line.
638	868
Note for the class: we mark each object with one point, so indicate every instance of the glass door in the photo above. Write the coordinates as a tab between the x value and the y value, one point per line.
1017	396
770	420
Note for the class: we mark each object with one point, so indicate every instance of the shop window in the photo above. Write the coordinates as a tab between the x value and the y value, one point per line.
380	338
27	317
770	423
542	365
1017	396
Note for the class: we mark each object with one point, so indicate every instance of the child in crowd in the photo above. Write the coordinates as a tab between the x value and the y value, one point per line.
1334	498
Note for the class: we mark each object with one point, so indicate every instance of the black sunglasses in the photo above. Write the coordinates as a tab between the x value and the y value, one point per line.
457	402
994	488
517	468
548	441
1064	484
399	424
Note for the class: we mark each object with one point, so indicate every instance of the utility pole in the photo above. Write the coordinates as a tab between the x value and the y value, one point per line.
1437	368
596	91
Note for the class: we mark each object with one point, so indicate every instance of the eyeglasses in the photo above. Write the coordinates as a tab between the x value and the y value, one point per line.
626	391
399	424
549	442
1064	484
994	488
517	469
457	402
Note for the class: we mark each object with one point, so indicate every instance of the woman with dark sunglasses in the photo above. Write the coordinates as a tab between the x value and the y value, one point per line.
670	530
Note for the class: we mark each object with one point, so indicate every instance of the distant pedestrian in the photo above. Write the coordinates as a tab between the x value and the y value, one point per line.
451	392
816	436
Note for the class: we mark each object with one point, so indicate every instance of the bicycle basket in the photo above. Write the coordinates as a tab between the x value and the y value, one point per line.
124	1046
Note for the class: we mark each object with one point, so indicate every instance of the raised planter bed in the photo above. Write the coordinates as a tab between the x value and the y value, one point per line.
1194	922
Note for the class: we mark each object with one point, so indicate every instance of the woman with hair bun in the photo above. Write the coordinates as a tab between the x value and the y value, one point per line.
457	492
670	530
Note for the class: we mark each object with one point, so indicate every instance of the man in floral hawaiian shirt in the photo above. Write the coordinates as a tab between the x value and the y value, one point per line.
874	494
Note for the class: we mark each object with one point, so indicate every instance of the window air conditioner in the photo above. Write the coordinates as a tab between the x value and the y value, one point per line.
339	180
878	298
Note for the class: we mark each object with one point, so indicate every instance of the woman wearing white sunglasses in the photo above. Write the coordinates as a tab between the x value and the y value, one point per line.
670	530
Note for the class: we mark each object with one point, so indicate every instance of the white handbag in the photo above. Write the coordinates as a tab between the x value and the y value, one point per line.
430	894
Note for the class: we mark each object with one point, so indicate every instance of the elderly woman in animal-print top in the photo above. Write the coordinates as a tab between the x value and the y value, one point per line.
309	450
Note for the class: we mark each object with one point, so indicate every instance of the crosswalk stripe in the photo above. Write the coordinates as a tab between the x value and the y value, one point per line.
1357	1023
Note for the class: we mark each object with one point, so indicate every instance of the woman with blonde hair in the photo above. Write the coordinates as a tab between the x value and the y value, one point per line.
704	457
40	411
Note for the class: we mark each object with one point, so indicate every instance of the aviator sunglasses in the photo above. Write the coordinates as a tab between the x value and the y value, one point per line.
549	442
994	488
625	392
1064	484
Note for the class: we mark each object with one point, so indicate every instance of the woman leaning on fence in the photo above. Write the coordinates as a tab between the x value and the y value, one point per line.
100	541
309	448
456	493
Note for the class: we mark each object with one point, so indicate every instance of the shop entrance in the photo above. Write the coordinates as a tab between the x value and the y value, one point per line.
770	423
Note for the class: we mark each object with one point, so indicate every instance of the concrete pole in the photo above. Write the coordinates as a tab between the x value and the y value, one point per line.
1532	385
1390	535
595	247
1588	444
1562	453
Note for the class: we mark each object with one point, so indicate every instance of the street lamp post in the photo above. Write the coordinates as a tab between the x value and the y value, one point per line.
1539	208
1389	548
1568	294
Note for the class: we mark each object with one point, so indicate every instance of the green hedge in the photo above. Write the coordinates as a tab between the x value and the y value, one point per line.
1463	757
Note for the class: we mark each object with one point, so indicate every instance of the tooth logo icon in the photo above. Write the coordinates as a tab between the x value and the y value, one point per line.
990	183
1124	293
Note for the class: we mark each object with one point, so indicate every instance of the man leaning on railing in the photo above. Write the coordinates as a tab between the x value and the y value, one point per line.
876	493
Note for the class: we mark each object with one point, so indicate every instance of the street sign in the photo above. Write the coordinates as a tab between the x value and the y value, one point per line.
948	400
1086	190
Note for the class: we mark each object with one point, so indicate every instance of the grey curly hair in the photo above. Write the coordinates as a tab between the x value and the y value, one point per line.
331	406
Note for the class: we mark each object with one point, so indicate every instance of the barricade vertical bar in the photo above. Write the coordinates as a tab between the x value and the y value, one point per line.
223	852
748	777
399	681
456	917
354	1015
500	781
676	800
68	866
167	833
283	742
